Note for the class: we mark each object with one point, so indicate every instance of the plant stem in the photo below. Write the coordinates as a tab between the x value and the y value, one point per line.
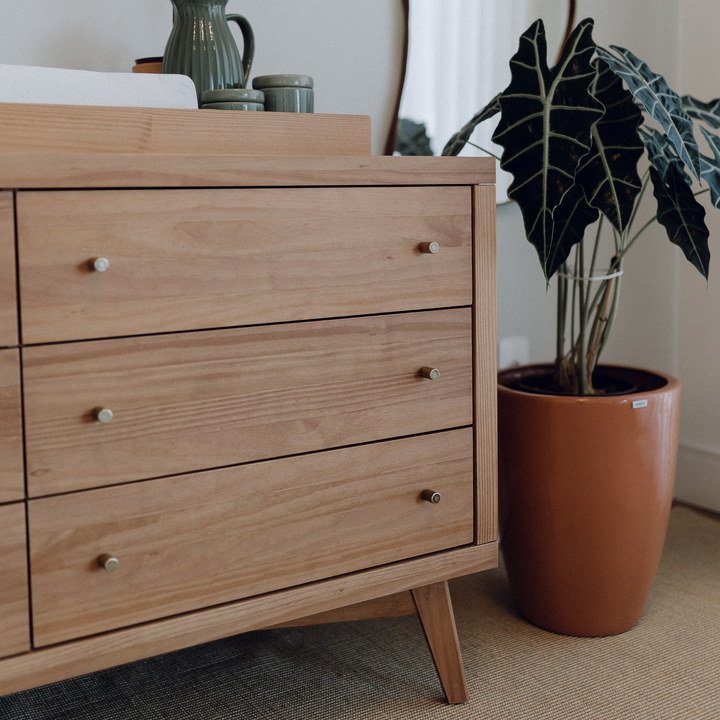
594	257
598	328
613	313
574	300
570	375
624	250
560	326
638	200
584	382
484	150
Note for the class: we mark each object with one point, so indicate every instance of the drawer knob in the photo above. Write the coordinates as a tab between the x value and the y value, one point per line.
108	562
429	247
431	496
430	373
103	415
100	264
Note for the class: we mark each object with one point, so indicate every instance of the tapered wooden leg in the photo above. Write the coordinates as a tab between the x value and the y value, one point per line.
438	622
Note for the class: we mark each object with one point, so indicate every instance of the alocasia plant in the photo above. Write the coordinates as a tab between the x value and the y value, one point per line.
572	137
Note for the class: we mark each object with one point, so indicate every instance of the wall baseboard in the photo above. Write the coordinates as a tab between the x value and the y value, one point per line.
698	476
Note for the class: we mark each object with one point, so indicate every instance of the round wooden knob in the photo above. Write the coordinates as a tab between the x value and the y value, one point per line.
431	496
430	373
100	264
429	247
108	562
103	415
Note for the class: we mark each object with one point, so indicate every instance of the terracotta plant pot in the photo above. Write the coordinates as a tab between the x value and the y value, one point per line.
585	490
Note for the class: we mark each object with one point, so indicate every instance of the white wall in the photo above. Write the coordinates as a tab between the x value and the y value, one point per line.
699	307
351	49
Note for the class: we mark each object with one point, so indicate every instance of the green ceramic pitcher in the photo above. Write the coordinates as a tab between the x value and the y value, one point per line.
202	47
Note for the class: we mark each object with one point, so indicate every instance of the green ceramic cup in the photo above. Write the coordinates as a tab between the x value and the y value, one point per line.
287	93
268	81
289	99
258	107
232	95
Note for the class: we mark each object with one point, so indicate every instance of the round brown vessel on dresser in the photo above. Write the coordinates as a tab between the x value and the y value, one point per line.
585	490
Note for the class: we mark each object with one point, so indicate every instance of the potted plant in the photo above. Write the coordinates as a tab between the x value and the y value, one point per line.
587	452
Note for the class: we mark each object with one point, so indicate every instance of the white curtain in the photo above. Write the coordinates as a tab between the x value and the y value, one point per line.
458	58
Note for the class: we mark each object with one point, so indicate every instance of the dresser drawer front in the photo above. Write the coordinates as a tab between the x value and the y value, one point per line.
14	616
194	401
8	289
12	480
193	259
193	541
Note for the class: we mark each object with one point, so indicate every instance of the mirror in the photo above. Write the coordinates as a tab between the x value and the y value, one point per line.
457	59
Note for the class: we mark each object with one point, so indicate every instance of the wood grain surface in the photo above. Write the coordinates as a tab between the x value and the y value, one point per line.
485	364
192	401
8	290
438	622
395	605
12	477
14	620
151	131
199	540
123	646
86	170
270	433
191	259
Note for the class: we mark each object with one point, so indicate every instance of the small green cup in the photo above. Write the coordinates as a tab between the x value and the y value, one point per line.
257	107
287	93
242	95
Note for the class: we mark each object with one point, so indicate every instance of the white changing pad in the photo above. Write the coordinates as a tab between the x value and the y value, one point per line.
57	86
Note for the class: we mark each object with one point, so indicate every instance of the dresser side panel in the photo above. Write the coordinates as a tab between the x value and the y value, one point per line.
485	360
8	289
14	617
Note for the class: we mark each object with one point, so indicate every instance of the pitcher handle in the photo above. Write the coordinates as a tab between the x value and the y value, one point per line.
248	45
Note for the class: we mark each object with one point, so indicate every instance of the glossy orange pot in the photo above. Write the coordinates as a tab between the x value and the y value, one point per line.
585	490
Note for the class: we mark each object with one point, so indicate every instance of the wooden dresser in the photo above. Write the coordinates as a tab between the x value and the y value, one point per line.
219	408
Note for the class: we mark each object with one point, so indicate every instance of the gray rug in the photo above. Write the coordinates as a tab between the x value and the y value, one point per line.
666	667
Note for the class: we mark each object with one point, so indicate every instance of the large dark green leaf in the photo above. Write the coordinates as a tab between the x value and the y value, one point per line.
683	217
545	127
570	219
662	155
412	138
708	112
608	173
711	167
662	103
458	141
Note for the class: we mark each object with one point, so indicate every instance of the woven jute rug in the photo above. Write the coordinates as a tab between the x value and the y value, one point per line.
668	666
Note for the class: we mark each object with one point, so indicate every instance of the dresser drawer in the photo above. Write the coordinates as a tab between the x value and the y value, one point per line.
201	400
14	618
193	541
193	259
8	289
12	481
